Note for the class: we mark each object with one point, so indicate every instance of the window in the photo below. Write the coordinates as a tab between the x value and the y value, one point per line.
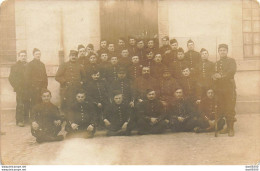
7	33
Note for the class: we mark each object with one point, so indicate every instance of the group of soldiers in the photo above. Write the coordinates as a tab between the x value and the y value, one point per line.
125	86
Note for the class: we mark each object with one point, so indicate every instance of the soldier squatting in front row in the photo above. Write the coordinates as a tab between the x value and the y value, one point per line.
125	88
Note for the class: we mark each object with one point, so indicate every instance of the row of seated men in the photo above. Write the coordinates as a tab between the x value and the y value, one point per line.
161	70
149	117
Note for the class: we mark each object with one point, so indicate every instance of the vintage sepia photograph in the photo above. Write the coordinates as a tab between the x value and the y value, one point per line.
130	82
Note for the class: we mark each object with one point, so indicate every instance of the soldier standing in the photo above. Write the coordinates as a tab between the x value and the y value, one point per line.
18	82
46	120
82	56
170	57
36	77
135	69
225	87
177	65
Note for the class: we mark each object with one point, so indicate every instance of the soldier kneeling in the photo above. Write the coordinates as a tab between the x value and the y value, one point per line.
46	120
209	113
118	119
81	117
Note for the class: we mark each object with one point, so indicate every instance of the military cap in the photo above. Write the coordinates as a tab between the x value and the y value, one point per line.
223	46
35	50
173	41
90	46
180	50
94	71
190	41
203	49
73	52
22	51
80	47
149	90
116	92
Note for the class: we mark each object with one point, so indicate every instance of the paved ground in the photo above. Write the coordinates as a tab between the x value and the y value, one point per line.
19	147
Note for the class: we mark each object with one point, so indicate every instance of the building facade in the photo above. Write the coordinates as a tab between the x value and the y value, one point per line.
59	26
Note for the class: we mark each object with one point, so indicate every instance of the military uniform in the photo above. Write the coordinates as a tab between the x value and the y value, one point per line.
167	88
188	85
204	79
83	114
141	54
170	57
90	68
151	109
157	70
176	68
70	75
125	62
132	50
37	80
117	115
182	108
18	81
44	114
193	58
163	49
124	86
134	71
226	89
111	72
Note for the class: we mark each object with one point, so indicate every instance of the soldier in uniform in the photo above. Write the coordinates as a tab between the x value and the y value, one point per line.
172	55
149	58
92	66
143	83
81	117
103	47
140	50
176	66
111	50
125	60
193	57
181	114
208	111
112	69
151	117
123	85
135	69
157	66
97	90
151	45
104	63
131	45
18	82
71	77
225	87
90	49
165	48
205	71
118	119
82	56
46	120
36	77
120	45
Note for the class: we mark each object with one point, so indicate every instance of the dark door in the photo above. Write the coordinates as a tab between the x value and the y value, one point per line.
123	18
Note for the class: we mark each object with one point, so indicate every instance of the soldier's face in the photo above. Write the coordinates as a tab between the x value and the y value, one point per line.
121	43
204	55
37	55
95	76
103	44
190	46
46	97
89	50
111	47
178	94
150	44
165	42
180	55
186	72
149	55
174	46
73	58
118	99
132	42
121	75
103	57
114	60
166	75
140	45
82	52
125	53
223	52
80	97
135	59
22	57
146	71
92	59
158	58
210	94
151	95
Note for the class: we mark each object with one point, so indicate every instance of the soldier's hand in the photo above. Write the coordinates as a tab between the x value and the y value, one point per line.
216	76
140	100
57	122
167	51
154	120
132	104
35	126
212	123
124	126
107	123
198	101
181	119
74	126
99	105
166	120
90	128
81	82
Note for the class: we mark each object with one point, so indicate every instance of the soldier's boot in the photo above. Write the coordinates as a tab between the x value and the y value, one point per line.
231	131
